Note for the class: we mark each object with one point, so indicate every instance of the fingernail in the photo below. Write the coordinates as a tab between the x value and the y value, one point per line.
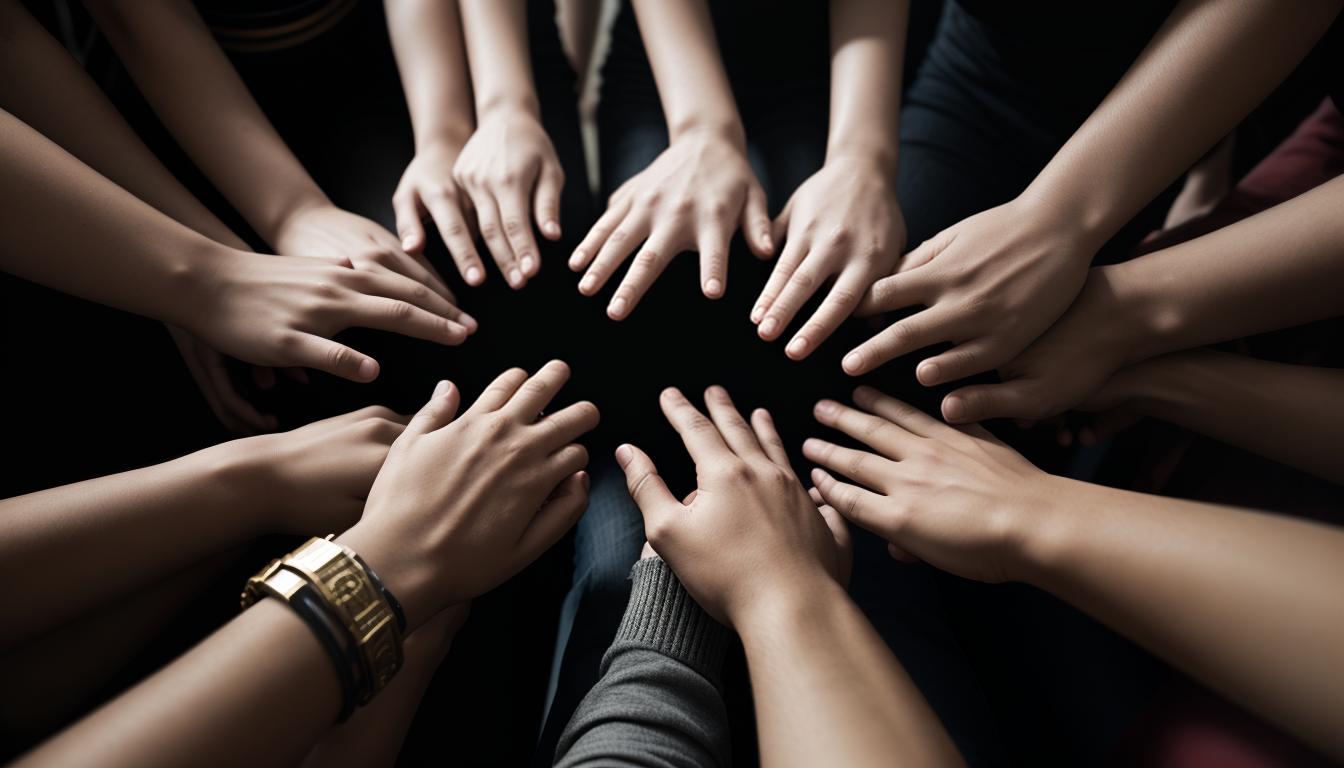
368	369
407	242
824	407
474	275
441	389
515	277
954	409
797	347
624	455
586	480
553	228
713	288
576	261
768	241
528	265
469	322
756	313
852	363
617	308
927	373
769	326
811	446
587	284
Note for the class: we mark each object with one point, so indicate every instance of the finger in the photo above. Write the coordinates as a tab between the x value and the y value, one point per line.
815	495
817	266
756	223
963	360
560	512
537	392
452	226
492	232
230	398
844	544
712	238
868	469
517	223
569	423
295	374
413	267
437	412
326	355
898	291
764	427
411	230
780	226
739	436
566	461
647	266
700	436
873	431
401	317
917	331
900	554
546	199
858	505
395	286
197	368
624	238
903	415
646	487
837	307
499	392
599	234
263	377
1011	399
795	248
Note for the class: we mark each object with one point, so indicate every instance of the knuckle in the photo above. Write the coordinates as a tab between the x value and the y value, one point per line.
844	298
399	310
840	235
803	280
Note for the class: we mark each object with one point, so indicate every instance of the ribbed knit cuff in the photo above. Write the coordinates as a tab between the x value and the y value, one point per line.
662	616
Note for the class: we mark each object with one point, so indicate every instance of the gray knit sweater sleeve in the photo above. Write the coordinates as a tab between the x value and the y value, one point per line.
658	702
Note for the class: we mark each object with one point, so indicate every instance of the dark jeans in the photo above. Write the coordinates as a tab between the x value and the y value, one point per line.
979	121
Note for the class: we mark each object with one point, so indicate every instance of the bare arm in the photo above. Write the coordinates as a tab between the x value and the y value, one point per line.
1277	269
1289	413
844	223
1245	602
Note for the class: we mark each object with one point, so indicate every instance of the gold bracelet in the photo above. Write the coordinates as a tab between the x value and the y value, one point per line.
347	589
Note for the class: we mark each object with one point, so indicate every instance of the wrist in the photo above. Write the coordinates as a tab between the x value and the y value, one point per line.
1050	526
194	284
233	485
400	568
450	137
294	206
1138	304
708	128
1067	214
876	151
490	106
786	605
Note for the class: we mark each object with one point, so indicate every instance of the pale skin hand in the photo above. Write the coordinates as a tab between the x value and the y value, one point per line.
757	553
995	281
137	528
454	512
428	188
1209	599
694	196
844	224
509	167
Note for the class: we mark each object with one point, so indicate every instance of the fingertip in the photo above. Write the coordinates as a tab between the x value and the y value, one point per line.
713	288
624	454
928	373
576	260
853	363
551	229
798	348
475	275
954	409
618	308
368	369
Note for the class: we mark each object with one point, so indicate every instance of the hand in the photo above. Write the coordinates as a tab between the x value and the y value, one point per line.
954	497
207	368
328	231
692	197
313	480
428	187
1068	364
463	504
749	530
281	310
842	223
992	284
509	170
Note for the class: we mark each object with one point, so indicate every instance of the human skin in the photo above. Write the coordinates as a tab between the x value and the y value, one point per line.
759	555
844	223
267	310
506	485
1176	299
1242	601
695	194
204	104
994	282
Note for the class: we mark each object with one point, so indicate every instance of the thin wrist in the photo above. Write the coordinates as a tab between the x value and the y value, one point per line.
1051	525
495	105
399	568
452	136
298	203
192	283
725	129
876	150
1140	305
234	484
785	606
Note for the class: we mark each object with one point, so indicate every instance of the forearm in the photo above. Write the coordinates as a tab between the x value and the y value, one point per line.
829	692
1289	413
69	228
59	100
867	57
1245	602
76	546
203	102
427	41
684	54
1210	63
1179	297
497	47
260	691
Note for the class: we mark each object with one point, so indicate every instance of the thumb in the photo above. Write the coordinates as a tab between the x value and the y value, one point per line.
991	401
756	223
646	486
438	412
